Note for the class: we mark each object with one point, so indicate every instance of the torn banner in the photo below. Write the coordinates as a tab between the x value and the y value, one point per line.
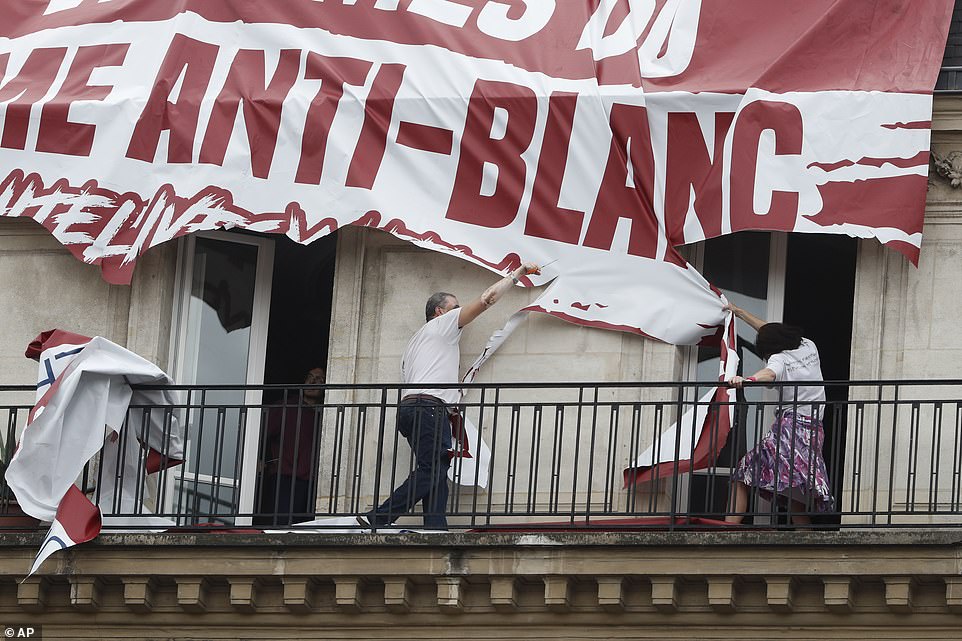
602	133
692	443
83	398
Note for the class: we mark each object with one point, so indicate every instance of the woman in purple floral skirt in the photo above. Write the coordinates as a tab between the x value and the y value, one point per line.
788	461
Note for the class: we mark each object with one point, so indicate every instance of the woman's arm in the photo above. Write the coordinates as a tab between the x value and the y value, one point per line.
754	321
764	375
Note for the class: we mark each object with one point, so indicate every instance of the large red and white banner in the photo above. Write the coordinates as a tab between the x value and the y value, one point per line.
601	133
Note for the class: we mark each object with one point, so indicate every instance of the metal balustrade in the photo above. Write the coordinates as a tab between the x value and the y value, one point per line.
558	455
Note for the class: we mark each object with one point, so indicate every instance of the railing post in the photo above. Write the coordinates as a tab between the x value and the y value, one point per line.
380	451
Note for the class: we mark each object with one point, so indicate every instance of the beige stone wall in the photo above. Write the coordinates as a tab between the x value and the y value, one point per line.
906	326
44	287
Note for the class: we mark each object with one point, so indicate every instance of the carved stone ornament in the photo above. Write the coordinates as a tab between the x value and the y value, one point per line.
949	167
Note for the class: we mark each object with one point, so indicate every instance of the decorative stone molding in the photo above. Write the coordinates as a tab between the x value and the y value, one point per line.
503	593
86	592
611	596
607	583
347	593
664	593
450	591
557	593
139	593
948	166
397	594
192	593
723	593
898	593
780	593
243	593
32	594
839	593
953	593
299	594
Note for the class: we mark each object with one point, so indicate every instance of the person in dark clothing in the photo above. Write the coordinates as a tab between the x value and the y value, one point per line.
289	454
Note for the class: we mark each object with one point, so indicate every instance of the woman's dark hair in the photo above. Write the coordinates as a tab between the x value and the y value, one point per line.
777	337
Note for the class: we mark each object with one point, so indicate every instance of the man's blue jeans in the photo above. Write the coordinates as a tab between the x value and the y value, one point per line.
423	421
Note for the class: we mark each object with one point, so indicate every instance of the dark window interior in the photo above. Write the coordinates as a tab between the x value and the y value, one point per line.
300	323
950	78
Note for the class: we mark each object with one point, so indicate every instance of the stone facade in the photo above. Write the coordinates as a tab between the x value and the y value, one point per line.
906	328
762	585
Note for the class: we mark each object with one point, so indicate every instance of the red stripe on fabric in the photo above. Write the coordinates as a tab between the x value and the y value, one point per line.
397	227
712	339
588	323
157	461
918	160
918	124
425	137
908	250
896	201
831	166
713	435
461	443
79	517
50	339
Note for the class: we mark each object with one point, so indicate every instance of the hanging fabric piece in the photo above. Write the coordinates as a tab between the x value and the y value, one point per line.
84	395
694	441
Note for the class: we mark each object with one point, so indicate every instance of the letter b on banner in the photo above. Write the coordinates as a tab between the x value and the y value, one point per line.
501	146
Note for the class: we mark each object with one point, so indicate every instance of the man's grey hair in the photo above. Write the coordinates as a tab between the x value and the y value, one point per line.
436	300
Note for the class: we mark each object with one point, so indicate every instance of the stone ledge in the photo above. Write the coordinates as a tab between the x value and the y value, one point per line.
893	584
561	574
754	538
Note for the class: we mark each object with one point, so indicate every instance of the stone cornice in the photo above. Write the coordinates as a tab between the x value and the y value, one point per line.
869	577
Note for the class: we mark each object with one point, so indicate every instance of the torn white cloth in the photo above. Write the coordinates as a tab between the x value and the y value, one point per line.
83	398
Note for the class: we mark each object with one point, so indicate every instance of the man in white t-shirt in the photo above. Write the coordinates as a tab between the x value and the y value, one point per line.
433	357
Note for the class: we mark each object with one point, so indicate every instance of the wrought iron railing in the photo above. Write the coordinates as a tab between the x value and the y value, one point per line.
264	457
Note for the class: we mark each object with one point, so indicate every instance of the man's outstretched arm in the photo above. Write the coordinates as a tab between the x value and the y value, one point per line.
491	295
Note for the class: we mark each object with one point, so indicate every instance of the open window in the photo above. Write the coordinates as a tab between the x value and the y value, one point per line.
250	310
221	327
806	280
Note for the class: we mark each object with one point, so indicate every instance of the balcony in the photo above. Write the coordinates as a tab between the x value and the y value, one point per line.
557	459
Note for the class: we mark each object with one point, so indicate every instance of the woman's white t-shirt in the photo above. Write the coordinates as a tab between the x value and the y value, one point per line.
797	365
433	356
